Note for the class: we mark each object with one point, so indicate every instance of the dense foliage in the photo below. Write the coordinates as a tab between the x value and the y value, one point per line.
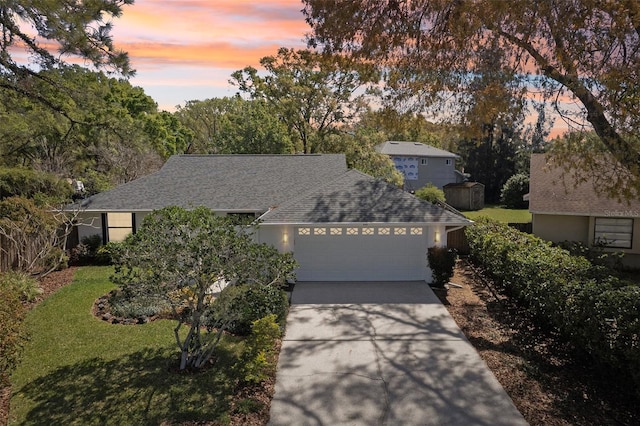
442	261
27	183
34	237
182	256
513	192
593	310
431	193
238	306
258	359
15	288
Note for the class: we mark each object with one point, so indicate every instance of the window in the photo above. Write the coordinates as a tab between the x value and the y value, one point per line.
613	232
424	161
449	162
383	231
304	231
399	231
367	231
352	231
335	231
119	225
416	231
319	231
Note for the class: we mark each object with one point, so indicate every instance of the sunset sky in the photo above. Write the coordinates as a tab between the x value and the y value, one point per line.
187	49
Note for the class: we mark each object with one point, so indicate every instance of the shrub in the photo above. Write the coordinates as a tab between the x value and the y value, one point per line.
513	190
442	260
15	288
28	183
138	306
594	311
258	359
238	306
430	193
90	251
27	288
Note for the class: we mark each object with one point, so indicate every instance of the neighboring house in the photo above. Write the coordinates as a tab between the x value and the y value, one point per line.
340	224
422	164
564	211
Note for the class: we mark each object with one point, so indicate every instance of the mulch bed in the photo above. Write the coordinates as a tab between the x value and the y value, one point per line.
548	380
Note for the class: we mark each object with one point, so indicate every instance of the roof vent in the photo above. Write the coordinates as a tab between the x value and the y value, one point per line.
417	143
394	143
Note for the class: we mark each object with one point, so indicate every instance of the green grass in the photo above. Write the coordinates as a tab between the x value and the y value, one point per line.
77	369
501	214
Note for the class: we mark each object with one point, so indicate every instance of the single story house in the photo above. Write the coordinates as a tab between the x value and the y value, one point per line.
340	224
562	210
422	164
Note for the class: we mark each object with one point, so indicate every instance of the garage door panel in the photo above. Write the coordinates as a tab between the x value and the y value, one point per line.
360	257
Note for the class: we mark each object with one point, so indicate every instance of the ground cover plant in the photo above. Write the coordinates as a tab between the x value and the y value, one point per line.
78	369
501	214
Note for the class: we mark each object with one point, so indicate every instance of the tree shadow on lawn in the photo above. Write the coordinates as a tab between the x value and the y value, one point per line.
136	389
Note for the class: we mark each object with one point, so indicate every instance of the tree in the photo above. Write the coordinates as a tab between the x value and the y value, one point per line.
116	132
431	193
587	50
34	236
77	30
313	94
179	255
514	190
234	126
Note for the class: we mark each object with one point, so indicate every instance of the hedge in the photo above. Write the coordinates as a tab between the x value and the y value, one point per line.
593	310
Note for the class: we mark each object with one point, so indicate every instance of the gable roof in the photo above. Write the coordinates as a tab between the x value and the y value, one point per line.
241	183
552	191
413	149
354	197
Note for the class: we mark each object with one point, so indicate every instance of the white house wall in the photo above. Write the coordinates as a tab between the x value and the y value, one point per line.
356	252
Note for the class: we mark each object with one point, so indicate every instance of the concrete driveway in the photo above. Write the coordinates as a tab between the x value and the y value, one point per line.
381	353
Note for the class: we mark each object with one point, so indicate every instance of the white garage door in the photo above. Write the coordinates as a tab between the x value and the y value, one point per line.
361	253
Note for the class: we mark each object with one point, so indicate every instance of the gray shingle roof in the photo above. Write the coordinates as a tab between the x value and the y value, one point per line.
354	197
250	183
415	149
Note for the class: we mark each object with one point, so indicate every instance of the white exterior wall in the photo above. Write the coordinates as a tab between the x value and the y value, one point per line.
357	257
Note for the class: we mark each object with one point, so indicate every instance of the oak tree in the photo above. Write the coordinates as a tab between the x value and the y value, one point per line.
314	94
586	51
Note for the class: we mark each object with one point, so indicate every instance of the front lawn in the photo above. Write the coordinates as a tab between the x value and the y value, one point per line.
77	369
501	214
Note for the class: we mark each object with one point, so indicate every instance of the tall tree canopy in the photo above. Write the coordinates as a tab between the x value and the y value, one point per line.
313	94
234	126
586	50
43	35
110	130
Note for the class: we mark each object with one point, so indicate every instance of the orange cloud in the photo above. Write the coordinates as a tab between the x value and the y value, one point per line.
230	34
219	55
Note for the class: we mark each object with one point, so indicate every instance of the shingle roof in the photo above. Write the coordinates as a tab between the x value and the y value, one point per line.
250	183
415	149
354	197
553	191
